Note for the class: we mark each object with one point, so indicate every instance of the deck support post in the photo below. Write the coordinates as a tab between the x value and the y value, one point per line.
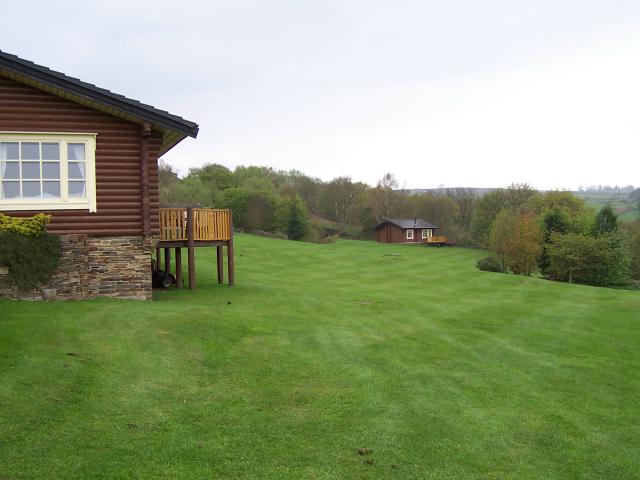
178	267
191	260
167	260
230	266
201	228
220	259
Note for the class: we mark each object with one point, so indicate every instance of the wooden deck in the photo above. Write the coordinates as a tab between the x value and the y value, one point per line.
195	227
438	240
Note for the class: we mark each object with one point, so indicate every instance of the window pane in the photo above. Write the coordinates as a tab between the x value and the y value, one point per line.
9	170
30	151
75	151
10	189
30	189
76	170
51	170
9	151
51	189
30	170
77	190
50	151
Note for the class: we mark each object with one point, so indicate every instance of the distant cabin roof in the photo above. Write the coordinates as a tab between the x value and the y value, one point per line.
173	128
406	223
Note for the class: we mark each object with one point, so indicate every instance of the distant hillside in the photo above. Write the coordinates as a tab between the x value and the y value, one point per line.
419	191
620	198
621	201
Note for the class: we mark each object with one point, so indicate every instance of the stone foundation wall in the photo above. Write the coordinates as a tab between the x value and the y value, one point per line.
93	267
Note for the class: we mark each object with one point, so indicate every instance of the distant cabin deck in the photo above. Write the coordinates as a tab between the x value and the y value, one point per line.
437	241
193	227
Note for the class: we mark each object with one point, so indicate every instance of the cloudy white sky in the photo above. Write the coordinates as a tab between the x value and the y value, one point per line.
439	92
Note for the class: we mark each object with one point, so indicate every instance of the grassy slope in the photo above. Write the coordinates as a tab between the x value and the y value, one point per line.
444	371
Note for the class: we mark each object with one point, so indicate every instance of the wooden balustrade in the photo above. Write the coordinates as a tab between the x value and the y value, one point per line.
208	224
195	227
438	239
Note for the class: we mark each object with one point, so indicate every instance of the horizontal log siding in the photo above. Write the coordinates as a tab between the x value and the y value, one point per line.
118	177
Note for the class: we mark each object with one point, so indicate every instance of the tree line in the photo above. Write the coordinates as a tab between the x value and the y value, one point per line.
265	199
526	230
558	236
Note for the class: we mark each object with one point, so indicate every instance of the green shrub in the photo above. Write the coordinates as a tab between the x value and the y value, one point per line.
635	247
489	264
602	261
35	226
29	252
297	219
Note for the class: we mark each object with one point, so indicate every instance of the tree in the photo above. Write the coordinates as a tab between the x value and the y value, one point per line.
465	199
381	202
340	199
514	198
167	179
635	250
438	209
519	196
635	196
214	176
189	191
572	255
487	209
261	211
554	220
236	200
296	221
386	188
603	260
528	238
617	270
633	231
501	236
307	188
516	240
259	178
606	221
557	200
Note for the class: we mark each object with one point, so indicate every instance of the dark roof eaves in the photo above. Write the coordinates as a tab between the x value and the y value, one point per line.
97	94
404	227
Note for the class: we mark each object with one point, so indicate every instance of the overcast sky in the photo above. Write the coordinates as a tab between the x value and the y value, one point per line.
439	92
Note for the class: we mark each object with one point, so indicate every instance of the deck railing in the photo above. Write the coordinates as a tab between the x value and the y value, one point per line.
208	224
436	239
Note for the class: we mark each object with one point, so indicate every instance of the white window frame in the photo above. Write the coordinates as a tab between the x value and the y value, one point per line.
409	235
64	202
427	233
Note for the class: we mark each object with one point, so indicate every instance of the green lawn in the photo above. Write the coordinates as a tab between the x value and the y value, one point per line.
444	371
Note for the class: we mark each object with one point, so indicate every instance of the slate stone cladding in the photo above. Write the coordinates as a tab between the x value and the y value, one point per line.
92	267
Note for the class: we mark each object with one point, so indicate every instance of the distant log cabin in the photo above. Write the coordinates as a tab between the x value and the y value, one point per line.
408	230
88	157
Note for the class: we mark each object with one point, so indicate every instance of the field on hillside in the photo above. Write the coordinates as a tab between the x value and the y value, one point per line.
622	204
445	372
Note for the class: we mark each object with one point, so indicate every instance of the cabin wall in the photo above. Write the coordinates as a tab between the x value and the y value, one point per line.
417	236
104	253
389	233
118	160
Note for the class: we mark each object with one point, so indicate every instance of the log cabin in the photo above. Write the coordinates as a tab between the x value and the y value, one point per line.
408	230
88	157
